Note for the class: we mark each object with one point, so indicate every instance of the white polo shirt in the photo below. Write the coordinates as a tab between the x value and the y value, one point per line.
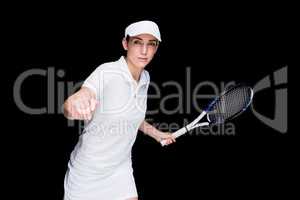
104	148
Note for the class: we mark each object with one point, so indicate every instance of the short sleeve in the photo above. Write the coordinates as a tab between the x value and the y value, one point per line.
95	82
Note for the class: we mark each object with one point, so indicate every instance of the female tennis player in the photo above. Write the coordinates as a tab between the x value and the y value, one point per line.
112	101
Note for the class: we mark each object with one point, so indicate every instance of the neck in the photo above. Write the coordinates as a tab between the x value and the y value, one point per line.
135	71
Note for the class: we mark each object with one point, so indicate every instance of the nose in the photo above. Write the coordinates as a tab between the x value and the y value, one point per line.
144	49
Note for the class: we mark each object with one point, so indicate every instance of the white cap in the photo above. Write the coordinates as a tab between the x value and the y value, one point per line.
143	27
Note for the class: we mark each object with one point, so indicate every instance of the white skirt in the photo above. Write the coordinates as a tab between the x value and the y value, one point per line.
119	185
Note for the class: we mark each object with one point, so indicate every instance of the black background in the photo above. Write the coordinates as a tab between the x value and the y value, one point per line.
220	43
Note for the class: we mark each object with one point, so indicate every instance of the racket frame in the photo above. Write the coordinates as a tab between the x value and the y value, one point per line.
195	124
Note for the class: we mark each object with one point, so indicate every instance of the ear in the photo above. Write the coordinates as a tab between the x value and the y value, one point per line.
125	44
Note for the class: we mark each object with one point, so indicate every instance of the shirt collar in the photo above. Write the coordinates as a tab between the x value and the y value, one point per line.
143	77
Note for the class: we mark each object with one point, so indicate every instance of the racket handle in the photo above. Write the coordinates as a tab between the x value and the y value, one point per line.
175	135
163	142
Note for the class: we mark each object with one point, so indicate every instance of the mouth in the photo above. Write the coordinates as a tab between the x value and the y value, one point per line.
142	59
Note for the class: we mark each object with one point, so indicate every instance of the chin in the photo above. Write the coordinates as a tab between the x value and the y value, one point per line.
141	65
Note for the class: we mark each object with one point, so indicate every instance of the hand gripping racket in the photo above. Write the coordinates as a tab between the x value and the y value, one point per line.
227	106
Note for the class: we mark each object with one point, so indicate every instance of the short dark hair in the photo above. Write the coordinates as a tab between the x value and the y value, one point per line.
127	38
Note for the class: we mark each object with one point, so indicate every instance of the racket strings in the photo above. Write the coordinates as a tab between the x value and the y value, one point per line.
230	104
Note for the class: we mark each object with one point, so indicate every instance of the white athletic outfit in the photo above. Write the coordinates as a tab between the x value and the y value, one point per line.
100	164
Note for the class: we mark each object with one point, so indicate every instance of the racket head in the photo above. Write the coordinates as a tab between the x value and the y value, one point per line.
231	103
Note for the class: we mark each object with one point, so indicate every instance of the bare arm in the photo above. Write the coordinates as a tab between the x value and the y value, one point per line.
153	132
80	105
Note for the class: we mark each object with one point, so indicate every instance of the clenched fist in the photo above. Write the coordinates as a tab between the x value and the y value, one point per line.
81	105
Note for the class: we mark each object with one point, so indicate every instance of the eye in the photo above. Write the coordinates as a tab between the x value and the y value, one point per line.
137	42
152	44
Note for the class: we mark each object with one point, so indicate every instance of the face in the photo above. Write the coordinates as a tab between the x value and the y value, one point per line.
140	49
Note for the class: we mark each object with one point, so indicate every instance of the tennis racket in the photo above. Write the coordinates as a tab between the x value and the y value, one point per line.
231	103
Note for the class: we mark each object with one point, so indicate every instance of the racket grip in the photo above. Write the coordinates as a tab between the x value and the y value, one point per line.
163	142
175	135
